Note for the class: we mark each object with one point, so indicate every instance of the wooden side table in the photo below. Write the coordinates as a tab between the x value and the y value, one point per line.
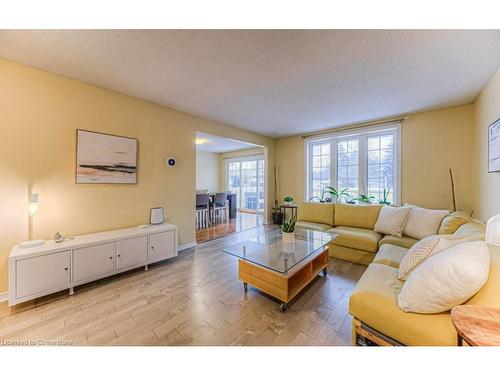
476	325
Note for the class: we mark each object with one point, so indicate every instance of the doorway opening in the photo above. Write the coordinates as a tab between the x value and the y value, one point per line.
232	174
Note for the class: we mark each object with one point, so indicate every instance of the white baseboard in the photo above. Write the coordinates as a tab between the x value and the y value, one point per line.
187	246
4	296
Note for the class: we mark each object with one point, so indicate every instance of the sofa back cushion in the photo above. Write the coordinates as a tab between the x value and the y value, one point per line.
356	215
317	212
453	221
475	229
423	222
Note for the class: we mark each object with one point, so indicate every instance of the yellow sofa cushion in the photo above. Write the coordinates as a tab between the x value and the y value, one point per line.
390	255
374	302
314	226
356	215
453	221
489	294
316	212
356	238
350	255
398	241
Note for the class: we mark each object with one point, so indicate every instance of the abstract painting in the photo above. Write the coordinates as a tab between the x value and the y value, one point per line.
105	158
494	147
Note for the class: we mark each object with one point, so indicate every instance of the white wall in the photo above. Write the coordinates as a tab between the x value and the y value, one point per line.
207	171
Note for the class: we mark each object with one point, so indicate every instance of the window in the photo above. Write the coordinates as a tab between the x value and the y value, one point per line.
245	178
320	168
361	161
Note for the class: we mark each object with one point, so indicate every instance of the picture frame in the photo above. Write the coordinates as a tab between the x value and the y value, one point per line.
103	158
494	147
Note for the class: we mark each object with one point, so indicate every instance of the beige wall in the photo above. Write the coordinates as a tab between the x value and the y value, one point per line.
486	185
40	112
208	171
235	154
431	142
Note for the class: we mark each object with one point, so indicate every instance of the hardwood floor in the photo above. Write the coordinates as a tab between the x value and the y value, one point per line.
194	299
243	221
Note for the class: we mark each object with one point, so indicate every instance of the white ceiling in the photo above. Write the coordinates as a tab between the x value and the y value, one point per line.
214	143
274	82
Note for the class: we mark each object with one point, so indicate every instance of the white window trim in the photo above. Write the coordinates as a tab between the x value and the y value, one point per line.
392	127
251	157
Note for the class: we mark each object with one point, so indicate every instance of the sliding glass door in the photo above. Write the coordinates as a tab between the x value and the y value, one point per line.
245	177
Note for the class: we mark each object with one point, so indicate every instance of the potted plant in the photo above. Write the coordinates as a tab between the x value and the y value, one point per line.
287	229
366	199
385	197
288	200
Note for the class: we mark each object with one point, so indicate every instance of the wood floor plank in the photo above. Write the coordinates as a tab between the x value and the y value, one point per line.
194	299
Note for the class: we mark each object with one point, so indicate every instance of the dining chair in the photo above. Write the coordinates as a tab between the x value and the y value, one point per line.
219	205
202	210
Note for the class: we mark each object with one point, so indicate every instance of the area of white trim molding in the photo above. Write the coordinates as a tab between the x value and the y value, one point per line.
4	296
187	246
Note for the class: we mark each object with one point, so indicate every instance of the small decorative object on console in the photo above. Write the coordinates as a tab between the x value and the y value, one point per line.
58	238
156	216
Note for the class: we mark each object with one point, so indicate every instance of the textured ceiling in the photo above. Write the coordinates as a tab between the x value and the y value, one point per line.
270	81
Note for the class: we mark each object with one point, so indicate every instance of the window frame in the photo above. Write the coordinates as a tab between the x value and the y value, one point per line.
253	157
362	134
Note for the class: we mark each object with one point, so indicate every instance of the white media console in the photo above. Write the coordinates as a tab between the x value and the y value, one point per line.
52	267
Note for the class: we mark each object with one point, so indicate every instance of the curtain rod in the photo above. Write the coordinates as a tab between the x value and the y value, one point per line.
351	127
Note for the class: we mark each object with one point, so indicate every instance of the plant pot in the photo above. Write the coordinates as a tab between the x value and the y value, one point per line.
288	203
288	237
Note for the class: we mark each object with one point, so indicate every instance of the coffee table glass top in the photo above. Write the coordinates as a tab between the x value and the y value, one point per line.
269	251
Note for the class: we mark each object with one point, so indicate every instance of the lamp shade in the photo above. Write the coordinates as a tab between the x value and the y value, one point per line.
33	204
493	230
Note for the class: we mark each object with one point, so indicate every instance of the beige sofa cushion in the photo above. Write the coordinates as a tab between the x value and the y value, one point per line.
453	221
314	226
391	220
316	212
390	255
398	241
476	230
426	248
446	279
374	302
357	216
423	222
356	238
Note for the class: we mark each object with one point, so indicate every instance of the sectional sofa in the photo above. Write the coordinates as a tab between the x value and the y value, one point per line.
373	305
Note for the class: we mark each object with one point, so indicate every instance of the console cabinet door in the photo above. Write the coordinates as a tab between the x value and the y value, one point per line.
93	262
161	246
131	252
44	273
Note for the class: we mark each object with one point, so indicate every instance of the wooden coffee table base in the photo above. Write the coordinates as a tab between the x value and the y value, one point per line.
284	287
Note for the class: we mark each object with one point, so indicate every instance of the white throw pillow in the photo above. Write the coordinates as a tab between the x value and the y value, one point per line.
391	220
425	248
423	222
446	279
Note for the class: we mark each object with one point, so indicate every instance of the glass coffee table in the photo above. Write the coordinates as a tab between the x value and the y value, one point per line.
282	269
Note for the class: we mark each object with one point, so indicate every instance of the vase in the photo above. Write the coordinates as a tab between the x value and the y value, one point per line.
287	237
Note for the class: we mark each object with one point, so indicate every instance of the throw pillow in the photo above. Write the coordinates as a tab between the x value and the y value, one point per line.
425	248
391	220
446	279
423	222
453	221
